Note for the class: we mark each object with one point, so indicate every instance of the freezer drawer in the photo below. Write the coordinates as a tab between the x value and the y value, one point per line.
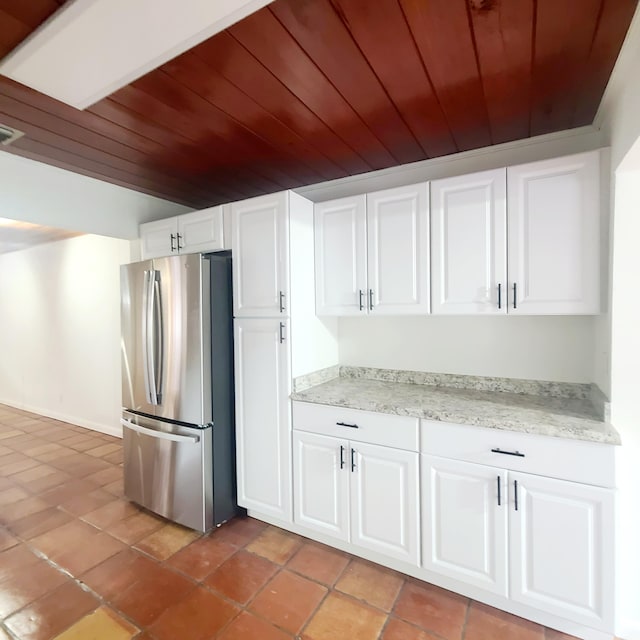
168	469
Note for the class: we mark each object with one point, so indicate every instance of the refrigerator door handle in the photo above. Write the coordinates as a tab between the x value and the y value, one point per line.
158	336
147	330
161	435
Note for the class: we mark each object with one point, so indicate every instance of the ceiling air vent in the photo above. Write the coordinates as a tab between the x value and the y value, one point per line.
9	135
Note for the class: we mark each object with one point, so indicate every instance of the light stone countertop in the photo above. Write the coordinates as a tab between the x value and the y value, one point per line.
562	417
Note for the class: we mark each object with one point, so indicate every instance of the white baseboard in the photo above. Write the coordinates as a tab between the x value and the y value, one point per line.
111	430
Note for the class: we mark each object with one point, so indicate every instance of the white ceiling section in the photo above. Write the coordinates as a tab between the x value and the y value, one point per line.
90	48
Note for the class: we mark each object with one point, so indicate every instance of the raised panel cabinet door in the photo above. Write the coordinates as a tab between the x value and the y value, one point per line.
201	231
263	415
554	236
260	245
159	238
321	483
340	237
561	548
398	250
464	522
469	244
384	501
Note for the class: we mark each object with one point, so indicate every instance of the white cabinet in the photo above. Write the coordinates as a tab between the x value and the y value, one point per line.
554	231
372	253
543	542
561	548
469	244
464	522
260	246
263	416
321	483
352	490
195	232
340	234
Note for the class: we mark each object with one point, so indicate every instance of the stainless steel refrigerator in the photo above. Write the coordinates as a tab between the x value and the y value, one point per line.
177	388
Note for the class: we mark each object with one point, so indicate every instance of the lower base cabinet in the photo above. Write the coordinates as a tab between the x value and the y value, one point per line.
543	542
358	492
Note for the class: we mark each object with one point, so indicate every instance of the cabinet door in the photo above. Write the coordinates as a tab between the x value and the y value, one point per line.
562	548
469	244
554	236
464	522
384	501
263	416
340	236
201	231
321	483
261	256
398	250
159	238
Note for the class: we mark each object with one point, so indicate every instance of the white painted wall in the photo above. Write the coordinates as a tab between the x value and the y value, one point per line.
619	117
60	330
538	348
41	194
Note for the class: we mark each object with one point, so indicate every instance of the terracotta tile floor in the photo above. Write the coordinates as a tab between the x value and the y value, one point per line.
79	562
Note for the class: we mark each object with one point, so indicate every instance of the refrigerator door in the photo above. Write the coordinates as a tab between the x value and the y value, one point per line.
166	339
134	288
168	469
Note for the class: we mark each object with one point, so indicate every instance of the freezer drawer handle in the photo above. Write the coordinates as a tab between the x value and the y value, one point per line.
161	435
508	453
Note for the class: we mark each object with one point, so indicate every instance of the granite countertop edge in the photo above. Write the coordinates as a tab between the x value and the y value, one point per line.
471	409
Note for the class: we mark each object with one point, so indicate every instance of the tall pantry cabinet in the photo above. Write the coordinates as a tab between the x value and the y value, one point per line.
273	270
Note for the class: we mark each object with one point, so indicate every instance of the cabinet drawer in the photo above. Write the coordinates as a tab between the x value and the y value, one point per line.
400	432
575	460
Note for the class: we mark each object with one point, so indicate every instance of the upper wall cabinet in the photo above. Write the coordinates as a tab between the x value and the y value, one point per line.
533	251
260	245
554	236
469	243
195	232
372	253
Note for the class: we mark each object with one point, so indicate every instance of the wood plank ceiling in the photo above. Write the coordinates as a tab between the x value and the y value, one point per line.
309	90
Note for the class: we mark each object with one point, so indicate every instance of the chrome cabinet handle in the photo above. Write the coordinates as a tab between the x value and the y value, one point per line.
173	239
370	299
515	302
499	295
282	327
346	424
353	460
341	457
499	493
281	297
180	246
160	435
360	297
515	493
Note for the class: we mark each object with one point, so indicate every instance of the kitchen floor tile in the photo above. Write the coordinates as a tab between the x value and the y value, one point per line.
102	624
288	601
487	623
53	613
552	634
435	610
110	513
241	576
248	627
319	562
22	509
135	527
198	616
399	630
38	523
166	541
372	583
6	540
202	557
239	531
275	545
342	617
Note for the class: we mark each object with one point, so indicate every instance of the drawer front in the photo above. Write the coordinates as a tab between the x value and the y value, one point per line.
575	460
400	432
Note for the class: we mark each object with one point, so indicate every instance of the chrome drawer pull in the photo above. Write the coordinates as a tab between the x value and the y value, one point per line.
344	424
508	453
